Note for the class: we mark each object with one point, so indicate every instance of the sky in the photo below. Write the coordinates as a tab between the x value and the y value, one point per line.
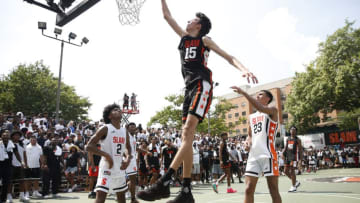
272	38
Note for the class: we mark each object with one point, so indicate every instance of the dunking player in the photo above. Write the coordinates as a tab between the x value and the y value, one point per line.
261	141
225	165
194	51
114	142
131	170
292	154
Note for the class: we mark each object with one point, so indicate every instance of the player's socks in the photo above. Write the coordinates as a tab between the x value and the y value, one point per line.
185	194
166	178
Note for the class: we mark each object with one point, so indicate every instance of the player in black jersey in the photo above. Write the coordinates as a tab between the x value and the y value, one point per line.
152	160
292	155
168	153
224	164
194	50
141	163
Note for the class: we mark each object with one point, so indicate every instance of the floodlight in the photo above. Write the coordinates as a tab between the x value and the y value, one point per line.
57	31
216	84
72	35
42	25
85	40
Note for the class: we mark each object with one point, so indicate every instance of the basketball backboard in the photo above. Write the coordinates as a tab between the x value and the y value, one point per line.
66	10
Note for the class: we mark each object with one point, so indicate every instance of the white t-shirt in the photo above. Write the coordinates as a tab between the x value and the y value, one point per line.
33	154
15	161
59	127
196	154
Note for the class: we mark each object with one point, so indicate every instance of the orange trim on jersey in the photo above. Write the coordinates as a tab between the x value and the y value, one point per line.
271	135
275	167
208	103
197	95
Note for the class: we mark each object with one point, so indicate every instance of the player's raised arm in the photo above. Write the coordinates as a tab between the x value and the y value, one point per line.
271	111
231	59
173	24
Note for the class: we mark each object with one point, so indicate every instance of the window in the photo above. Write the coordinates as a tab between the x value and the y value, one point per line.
229	116
244	130
244	121
237	131
236	106
243	104
237	122
243	113
285	116
236	114
230	124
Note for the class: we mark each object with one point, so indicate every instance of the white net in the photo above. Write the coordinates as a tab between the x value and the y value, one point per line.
129	11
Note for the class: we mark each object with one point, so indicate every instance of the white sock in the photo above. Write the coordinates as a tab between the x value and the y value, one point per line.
26	194
21	194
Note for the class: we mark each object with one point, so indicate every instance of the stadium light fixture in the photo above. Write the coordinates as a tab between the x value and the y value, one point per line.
42	25
72	36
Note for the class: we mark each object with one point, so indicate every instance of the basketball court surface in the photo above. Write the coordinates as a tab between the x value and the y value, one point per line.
326	186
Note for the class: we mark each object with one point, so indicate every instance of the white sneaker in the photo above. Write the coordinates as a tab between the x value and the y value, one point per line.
9	198
69	190
127	195
193	183
24	199
297	184
74	187
37	194
292	189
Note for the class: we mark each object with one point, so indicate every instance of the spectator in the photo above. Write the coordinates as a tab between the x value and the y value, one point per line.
19	162
51	168
72	166
34	158
126	101
133	101
7	149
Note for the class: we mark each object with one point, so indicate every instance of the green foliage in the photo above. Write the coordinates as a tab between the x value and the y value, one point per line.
170	116
349	120
32	90
331	81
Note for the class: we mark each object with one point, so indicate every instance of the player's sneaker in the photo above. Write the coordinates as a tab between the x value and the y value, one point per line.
184	196
292	189
155	192
215	187
297	184
230	190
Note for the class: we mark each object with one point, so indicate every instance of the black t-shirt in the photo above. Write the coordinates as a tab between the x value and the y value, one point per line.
169	154
51	159
72	159
194	57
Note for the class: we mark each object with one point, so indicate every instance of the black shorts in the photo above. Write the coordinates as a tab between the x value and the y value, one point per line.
32	173
197	99
155	168
17	173
143	170
234	166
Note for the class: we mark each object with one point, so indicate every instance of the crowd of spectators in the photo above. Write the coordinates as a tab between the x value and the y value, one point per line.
36	148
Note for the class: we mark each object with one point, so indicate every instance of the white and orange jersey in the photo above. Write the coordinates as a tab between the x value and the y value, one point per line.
115	145
263	131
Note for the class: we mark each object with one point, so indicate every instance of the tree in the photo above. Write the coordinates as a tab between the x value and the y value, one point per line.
331	81
32	90
349	120
170	116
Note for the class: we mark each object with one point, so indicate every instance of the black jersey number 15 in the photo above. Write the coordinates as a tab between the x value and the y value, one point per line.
190	53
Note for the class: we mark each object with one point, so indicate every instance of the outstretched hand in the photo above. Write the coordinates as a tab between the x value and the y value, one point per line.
237	89
250	75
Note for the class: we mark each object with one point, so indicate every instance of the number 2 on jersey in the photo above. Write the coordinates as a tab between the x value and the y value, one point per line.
257	127
118	149
190	53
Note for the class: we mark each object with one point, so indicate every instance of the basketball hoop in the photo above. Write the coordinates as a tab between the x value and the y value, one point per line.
129	11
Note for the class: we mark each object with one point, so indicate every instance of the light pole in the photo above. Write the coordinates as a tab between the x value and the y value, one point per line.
72	36
209	130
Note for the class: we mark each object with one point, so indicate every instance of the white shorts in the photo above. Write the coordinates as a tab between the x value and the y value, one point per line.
132	168
196	169
267	166
107	183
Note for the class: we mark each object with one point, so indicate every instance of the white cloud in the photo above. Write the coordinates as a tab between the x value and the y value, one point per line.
277	32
